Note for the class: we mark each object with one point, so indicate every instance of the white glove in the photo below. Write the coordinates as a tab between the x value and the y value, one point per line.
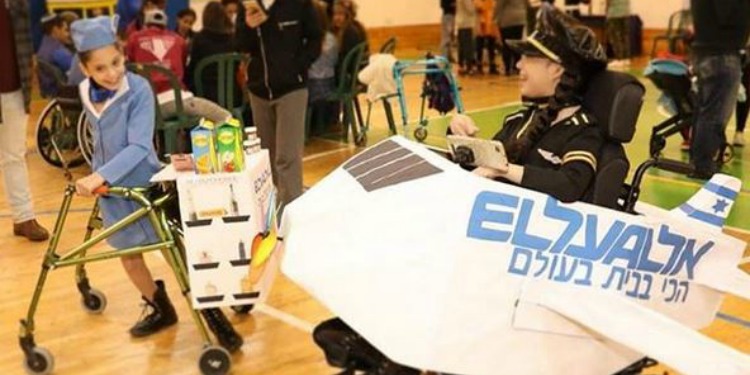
463	125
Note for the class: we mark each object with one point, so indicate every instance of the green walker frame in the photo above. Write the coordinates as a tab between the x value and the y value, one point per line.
214	360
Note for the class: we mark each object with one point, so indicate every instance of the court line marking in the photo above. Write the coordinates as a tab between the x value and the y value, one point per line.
284	317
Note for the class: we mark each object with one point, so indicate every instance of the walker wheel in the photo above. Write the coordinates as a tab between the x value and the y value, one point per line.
41	363
214	360
94	302
728	153
243	309
420	133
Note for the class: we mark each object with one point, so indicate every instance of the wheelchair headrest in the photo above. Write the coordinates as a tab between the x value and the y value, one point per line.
615	100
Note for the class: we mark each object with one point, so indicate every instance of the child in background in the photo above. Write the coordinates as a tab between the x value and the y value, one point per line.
185	20
487	36
120	107
321	77
466	23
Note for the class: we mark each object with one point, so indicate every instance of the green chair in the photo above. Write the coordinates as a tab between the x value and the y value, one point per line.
226	73
172	133
346	93
679	22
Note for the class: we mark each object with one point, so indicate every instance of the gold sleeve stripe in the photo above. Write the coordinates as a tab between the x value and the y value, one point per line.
585	157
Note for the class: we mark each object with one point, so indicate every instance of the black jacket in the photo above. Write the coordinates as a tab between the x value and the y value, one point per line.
449	6
282	48
208	43
563	162
721	26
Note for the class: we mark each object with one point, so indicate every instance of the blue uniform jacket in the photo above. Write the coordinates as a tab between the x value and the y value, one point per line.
124	152
55	53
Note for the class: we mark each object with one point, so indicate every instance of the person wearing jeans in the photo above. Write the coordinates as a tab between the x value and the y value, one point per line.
721	30
283	40
15	96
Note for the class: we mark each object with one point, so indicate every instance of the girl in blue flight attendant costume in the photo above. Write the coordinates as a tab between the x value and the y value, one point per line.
120	106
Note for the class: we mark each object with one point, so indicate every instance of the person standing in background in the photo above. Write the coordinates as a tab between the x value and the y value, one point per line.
466	22
277	79
721	30
618	32
15	96
743	106
510	17
486	36
448	28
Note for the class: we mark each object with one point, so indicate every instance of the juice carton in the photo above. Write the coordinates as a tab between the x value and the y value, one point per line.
229	146
204	151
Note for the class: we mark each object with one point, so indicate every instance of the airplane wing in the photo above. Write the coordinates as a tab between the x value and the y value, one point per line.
640	329
711	205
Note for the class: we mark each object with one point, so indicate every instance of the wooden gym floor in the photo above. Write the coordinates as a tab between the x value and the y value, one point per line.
277	335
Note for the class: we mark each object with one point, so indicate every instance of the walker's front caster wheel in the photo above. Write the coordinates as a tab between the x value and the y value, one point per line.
40	363
215	360
243	309
94	302
420	133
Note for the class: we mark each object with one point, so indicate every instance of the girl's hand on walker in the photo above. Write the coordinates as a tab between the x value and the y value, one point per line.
85	186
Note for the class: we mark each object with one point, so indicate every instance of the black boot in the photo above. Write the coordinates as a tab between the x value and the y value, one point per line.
345	348
162	314
222	328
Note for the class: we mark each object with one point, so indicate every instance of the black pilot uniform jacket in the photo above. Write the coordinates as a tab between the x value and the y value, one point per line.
563	162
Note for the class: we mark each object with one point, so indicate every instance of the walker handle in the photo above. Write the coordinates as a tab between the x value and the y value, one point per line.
101	190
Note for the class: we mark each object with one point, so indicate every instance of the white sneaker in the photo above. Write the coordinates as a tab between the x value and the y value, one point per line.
739	139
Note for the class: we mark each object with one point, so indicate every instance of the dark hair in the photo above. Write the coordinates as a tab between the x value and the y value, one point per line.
227	2
567	93
322	11
187	12
51	24
215	19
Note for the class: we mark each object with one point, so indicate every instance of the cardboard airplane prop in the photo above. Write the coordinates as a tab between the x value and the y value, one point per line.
447	271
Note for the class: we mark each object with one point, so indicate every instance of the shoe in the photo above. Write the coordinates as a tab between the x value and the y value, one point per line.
739	139
31	230
162	314
345	348
494	71
223	330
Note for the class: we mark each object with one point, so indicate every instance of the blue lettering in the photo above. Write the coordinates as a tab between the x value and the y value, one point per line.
676	241
688	259
591	249
574	219
522	269
645	264
521	237
480	215
619	251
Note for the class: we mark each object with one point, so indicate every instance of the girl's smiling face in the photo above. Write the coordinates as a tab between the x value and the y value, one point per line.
106	66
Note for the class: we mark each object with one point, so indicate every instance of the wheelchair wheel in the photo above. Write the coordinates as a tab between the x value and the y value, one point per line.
420	133
41	363
55	124
214	360
85	138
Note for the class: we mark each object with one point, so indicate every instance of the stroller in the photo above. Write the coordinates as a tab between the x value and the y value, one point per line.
439	92
672	77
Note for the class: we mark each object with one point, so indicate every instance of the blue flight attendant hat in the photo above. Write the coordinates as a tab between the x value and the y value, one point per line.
92	33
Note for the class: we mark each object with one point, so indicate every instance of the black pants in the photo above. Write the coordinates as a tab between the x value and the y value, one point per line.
466	48
488	43
510	58
743	108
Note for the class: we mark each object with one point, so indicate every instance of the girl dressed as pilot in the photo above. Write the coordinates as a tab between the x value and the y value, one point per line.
120	106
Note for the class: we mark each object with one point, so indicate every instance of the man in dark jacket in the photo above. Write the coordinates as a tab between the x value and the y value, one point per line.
15	96
721	30
448	27
283	38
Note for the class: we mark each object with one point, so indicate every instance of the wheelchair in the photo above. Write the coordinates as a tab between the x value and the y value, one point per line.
162	211
615	100
62	131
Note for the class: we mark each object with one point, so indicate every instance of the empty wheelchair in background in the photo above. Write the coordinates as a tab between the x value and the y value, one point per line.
61	122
